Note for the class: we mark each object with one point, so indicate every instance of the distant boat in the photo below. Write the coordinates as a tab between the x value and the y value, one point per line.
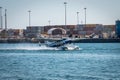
63	44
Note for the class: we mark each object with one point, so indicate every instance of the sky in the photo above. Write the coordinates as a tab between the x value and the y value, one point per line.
104	12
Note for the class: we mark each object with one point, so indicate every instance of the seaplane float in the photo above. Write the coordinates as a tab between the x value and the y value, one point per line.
63	44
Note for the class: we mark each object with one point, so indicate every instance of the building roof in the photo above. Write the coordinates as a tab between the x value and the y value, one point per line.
52	29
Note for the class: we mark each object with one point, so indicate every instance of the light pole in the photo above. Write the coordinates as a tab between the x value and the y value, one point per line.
85	16
5	19
77	18
49	22
65	3
1	17
29	18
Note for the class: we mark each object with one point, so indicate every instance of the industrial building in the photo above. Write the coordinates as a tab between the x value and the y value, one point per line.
118	28
33	31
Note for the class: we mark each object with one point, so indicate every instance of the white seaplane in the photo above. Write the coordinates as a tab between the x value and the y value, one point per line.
64	44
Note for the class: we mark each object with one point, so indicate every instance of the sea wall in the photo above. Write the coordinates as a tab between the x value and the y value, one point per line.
75	40
97	41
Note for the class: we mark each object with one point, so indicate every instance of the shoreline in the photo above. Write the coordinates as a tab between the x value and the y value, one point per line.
97	41
78	40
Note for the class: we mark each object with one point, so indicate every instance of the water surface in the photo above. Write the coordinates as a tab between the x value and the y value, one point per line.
28	61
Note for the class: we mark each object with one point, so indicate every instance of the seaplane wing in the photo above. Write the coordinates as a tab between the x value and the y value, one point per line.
59	43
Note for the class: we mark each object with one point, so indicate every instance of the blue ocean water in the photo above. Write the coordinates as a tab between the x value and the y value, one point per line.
28	61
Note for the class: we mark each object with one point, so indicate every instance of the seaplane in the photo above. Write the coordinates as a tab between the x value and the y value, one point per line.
63	44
